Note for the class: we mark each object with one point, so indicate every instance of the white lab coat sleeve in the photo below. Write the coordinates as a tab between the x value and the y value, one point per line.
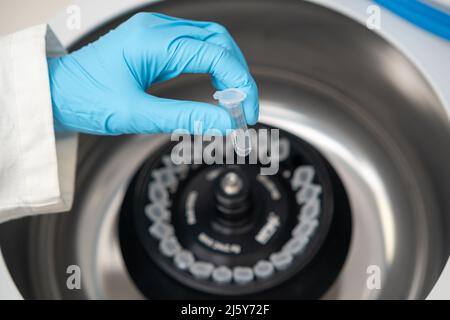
37	167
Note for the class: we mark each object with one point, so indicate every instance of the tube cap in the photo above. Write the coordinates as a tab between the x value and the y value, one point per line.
230	96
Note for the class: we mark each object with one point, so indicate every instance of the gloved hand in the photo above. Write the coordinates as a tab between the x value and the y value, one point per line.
100	88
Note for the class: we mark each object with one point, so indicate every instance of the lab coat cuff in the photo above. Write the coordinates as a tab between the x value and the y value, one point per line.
43	173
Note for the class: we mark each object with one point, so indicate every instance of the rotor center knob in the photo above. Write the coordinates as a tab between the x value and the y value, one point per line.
231	183
232	193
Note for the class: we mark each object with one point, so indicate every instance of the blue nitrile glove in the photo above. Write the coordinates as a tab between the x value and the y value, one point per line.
100	88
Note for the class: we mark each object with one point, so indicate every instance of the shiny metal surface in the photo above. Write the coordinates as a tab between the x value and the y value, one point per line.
328	80
231	183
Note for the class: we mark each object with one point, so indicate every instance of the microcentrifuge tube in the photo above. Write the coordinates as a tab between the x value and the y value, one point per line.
231	99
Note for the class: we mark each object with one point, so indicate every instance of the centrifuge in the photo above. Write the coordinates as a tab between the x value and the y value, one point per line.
358	208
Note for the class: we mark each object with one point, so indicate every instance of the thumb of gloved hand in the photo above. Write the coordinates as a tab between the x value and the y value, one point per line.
101	88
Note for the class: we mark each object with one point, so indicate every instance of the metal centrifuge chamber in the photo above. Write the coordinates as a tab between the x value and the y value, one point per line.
322	77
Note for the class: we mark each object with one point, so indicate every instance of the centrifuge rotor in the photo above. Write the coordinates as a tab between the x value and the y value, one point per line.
229	230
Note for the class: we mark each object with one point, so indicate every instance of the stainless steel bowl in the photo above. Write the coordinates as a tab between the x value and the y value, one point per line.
328	80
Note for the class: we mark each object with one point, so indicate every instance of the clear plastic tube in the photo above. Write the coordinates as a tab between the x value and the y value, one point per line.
231	99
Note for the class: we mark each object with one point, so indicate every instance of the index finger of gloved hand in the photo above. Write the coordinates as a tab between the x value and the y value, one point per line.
223	38
218	34
194	56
